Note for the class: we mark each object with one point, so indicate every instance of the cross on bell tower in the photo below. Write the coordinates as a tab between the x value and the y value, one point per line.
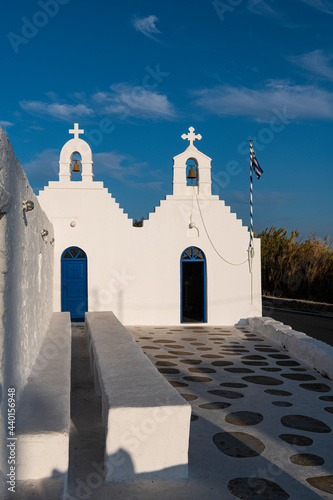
202	162
76	145
191	136
76	131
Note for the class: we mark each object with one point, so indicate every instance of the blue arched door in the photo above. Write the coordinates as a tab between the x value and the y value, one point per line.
74	296
193	286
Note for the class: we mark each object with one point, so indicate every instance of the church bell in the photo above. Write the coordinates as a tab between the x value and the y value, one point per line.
191	174
76	167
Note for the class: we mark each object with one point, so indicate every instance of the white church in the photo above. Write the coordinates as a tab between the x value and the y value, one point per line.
188	263
71	254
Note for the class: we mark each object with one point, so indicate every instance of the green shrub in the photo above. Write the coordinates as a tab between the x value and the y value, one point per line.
292	268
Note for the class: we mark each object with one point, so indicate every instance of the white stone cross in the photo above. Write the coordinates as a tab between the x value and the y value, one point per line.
191	136
76	131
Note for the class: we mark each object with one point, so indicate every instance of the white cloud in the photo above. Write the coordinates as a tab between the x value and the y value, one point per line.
4	124
302	102
125	169
316	62
101	97
115	165
45	161
151	186
262	8
42	168
262	198
323	5
35	127
271	9
56	110
128	100
146	25
124	99
268	8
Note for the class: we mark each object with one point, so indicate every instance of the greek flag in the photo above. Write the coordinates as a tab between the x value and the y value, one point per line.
255	164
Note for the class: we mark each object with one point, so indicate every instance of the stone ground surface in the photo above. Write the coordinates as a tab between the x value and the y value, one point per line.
261	424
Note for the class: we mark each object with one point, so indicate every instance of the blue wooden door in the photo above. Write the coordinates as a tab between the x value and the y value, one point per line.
74	297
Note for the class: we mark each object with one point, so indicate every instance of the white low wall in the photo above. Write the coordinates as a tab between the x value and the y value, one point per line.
43	436
147	422
315	353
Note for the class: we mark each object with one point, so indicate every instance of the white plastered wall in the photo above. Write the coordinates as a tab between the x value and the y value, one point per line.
135	272
26	270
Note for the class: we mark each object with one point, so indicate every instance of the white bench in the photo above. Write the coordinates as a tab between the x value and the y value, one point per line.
147	423
43	412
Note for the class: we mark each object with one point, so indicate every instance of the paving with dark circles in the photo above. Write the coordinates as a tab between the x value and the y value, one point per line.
265	417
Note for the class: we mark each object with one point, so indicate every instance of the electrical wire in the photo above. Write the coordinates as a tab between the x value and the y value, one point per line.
193	194
209	238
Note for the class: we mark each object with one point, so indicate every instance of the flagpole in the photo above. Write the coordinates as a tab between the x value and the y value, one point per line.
251	197
254	165
251	250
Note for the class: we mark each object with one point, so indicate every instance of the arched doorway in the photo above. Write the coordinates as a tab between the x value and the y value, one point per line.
193	286
74	294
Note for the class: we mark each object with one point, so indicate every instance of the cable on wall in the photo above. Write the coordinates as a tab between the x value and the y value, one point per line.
209	238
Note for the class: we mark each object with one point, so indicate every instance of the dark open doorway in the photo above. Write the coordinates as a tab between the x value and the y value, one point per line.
193	286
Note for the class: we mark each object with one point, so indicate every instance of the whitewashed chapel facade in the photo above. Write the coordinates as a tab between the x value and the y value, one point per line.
188	263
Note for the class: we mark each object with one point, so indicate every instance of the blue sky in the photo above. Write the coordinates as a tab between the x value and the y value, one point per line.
137	75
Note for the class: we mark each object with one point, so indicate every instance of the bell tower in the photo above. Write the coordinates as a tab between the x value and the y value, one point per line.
199	169
73	146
